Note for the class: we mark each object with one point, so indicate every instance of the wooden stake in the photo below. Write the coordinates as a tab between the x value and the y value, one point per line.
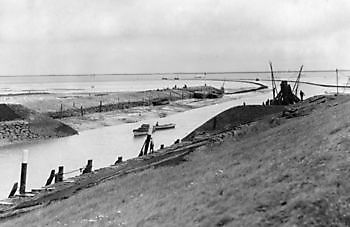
51	177
59	175
88	167
61	110
336	71
13	190
22	187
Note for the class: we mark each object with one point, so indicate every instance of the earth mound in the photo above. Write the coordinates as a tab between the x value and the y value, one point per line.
20	124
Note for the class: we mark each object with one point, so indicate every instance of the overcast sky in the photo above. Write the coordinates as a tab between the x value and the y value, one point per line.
128	36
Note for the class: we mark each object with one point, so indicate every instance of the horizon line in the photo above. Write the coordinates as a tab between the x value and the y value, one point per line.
178	73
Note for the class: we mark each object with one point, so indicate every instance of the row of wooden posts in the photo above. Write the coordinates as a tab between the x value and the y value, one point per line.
101	104
56	177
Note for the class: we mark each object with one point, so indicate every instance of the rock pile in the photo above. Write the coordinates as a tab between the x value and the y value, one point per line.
27	125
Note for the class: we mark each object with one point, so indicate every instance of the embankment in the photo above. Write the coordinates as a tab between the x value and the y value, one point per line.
288	169
234	117
19	124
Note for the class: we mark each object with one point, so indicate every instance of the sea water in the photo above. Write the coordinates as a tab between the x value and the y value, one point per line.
115	83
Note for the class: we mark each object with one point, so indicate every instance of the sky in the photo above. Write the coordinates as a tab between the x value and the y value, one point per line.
135	36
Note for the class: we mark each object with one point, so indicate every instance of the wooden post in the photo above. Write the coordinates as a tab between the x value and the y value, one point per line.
51	177
100	108
59	175
13	190
147	142
336	71
61	110
81	111
162	146
88	167
22	187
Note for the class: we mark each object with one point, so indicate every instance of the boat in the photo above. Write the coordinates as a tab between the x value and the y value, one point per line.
164	126
141	131
160	101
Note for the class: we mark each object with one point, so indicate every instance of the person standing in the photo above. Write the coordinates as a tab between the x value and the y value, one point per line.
301	95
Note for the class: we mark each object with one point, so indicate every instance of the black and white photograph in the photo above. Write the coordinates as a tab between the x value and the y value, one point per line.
174	113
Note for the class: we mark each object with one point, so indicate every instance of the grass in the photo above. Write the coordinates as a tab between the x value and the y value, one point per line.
294	173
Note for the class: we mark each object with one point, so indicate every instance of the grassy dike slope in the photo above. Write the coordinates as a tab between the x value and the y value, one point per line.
280	171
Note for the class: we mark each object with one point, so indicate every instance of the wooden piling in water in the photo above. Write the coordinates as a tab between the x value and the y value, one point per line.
13	190
100	108
23	180
88	167
81	111
51	177
147	143
59	175
22	187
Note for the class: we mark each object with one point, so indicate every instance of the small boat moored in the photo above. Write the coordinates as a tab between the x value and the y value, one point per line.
141	131
163	126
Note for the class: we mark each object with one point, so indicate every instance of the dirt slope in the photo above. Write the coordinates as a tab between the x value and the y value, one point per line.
19	124
286	170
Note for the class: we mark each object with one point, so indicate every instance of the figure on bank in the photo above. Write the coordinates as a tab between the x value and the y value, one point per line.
301	95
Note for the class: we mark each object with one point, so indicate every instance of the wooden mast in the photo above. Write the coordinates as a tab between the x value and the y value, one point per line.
296	84
274	88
